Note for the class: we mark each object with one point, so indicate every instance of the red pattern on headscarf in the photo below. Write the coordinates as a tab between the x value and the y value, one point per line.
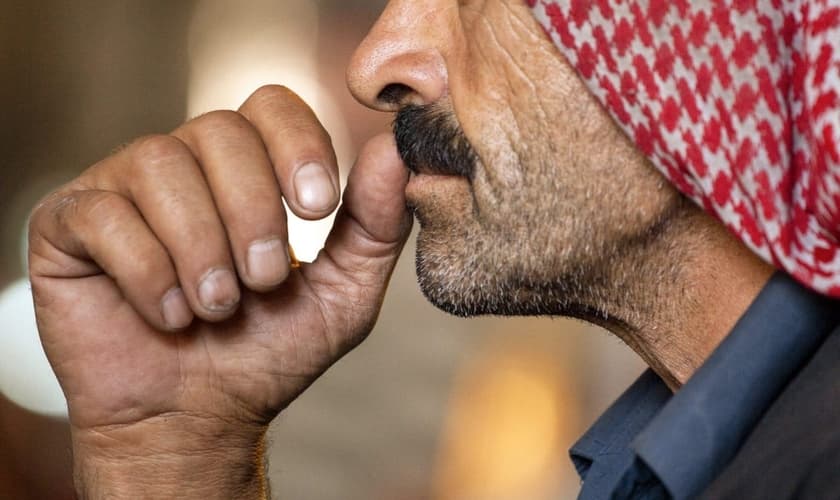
736	102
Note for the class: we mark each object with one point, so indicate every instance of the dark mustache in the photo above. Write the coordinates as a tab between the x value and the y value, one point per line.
430	140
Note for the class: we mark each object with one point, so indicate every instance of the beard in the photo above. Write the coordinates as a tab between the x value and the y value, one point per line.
551	244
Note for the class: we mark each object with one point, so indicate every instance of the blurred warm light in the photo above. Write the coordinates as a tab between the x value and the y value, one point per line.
237	47
511	418
25	375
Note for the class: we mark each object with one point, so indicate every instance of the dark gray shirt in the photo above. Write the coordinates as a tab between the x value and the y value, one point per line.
651	444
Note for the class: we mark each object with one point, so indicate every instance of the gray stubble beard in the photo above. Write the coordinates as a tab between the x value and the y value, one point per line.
600	278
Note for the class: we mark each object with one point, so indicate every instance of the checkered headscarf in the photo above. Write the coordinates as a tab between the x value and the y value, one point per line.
737	102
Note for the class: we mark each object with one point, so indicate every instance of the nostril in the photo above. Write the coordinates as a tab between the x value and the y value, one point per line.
394	94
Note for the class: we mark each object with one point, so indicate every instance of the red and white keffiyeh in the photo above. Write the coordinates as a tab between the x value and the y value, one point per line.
737	102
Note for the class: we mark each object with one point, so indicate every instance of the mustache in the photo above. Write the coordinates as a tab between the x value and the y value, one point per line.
430	141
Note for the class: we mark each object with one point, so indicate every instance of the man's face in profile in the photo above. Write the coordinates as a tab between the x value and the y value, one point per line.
525	190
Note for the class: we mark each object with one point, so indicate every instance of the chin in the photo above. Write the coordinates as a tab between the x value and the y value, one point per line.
449	299
472	278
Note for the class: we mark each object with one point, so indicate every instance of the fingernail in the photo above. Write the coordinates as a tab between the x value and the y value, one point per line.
268	262
176	312
218	290
314	187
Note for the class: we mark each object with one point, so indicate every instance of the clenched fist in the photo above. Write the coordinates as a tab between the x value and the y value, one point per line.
167	304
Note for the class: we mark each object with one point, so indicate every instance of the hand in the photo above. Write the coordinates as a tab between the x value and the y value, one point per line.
166	302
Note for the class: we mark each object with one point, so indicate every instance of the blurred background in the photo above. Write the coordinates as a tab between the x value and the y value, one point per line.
430	407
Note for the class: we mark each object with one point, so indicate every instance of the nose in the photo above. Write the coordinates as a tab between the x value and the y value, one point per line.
401	61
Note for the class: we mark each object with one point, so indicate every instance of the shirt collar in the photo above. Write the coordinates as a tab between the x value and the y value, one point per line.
687	439
603	454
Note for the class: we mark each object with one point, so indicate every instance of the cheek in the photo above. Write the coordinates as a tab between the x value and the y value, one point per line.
517	173
514	133
490	119
490	94
535	128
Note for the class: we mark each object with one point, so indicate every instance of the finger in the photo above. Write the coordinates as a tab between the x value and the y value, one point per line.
165	181
300	150
107	229
365	242
245	190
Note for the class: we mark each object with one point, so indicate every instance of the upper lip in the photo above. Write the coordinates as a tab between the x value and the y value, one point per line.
426	169
433	164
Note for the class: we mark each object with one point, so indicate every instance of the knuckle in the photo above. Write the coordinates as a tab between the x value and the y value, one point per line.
105	209
290	115
152	264
60	207
55	210
210	235
221	122
36	226
272	93
41	210
159	149
78	212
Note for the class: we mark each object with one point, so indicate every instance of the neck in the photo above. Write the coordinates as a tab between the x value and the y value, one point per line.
682	293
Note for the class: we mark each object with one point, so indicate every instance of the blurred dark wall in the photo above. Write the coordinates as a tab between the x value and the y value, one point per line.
78	79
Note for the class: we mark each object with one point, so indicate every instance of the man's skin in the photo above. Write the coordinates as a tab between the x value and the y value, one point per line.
176	347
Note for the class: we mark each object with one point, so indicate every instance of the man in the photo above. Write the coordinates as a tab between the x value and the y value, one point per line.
179	326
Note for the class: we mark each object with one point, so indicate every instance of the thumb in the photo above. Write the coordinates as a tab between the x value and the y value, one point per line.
351	273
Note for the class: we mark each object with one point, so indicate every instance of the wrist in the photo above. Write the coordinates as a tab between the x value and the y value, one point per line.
170	456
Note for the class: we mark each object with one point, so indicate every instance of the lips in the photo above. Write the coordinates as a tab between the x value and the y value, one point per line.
423	189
